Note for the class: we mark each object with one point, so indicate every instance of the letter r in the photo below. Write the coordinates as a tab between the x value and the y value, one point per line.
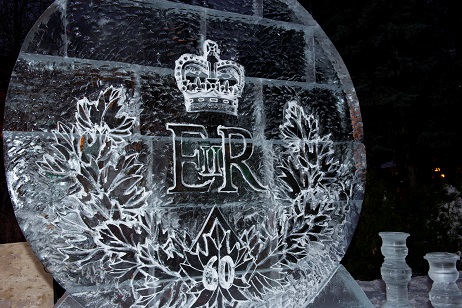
230	136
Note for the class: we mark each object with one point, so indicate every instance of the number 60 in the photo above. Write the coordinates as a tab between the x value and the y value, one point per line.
223	276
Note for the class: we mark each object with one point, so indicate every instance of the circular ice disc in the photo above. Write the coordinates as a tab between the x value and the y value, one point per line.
183	154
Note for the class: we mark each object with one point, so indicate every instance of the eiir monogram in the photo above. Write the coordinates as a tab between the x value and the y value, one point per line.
198	162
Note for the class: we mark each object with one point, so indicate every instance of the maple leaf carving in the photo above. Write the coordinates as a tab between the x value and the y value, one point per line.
311	177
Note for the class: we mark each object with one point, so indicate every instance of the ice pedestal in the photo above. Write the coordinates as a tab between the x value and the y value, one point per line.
341	290
68	301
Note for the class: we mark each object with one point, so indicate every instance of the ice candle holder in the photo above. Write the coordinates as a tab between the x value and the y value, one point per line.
395	272
443	272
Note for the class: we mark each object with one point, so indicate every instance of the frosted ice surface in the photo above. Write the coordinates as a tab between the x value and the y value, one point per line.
184	153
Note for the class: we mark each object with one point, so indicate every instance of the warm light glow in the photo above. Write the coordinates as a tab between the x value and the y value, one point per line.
442	175
437	169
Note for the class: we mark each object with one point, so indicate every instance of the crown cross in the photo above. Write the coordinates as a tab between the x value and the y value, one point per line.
208	83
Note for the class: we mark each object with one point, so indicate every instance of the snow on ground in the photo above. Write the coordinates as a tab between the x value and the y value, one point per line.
419	287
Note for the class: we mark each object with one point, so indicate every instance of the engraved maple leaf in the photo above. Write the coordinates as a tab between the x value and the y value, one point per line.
218	265
267	249
105	115
105	189
310	176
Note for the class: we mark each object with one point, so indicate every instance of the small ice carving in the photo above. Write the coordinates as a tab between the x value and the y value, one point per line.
443	272
395	272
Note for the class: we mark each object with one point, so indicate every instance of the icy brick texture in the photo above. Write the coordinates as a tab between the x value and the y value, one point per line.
249	200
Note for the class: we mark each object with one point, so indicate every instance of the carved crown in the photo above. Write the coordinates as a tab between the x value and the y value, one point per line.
209	83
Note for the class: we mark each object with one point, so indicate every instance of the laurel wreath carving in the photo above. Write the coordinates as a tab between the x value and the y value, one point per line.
112	238
312	179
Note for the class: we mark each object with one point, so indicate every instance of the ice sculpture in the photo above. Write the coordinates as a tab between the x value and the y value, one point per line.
395	272
183	154
443	272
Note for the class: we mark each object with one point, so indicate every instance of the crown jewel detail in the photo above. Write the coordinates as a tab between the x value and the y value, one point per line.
209	83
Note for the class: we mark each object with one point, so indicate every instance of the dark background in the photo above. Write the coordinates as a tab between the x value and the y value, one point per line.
404	57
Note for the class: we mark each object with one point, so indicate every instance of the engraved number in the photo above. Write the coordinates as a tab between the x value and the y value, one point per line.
224	276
